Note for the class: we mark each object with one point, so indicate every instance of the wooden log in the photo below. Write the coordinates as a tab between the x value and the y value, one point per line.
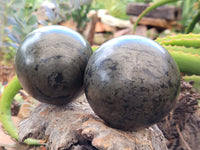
161	23
112	21
164	12
90	28
75	126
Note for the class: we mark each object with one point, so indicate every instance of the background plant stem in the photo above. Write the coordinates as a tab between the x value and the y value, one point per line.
193	23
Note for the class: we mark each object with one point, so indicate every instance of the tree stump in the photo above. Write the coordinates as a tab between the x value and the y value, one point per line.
76	127
181	127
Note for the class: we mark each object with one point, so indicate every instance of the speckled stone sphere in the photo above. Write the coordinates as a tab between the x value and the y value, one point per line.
131	82
50	64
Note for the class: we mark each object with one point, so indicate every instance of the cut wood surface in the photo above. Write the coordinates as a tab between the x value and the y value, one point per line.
165	12
75	126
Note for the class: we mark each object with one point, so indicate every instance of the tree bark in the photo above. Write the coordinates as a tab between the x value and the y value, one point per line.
181	127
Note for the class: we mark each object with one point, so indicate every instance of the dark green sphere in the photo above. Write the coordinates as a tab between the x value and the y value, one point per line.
131	82
50	64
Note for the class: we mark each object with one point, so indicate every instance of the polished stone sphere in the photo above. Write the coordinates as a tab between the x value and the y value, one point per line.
50	64
131	82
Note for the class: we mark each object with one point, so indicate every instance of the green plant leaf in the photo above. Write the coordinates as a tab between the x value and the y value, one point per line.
192	24
18	21
19	98
14	46
1	87
27	30
14	38
32	20
10	21
18	4
43	22
21	13
17	30
195	79
65	7
57	7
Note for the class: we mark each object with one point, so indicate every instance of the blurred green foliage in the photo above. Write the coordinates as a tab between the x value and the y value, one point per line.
17	17
70	9
117	8
189	9
17	20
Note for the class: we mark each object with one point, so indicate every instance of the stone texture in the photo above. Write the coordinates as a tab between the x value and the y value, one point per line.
50	64
75	126
131	82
